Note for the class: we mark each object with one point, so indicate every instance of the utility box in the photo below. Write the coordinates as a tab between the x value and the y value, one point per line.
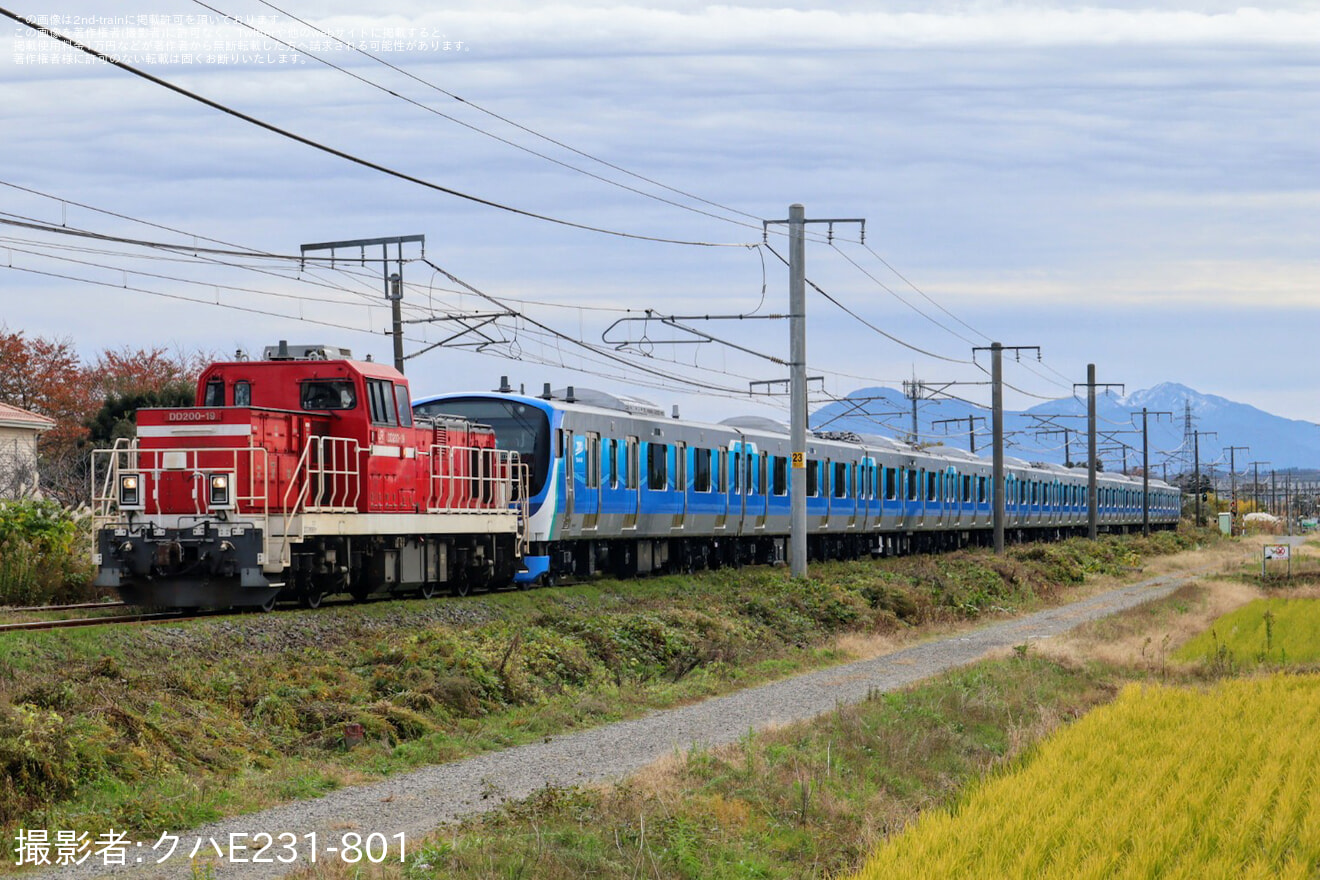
1226	523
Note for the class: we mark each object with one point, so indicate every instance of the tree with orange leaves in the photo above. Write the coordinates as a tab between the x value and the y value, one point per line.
47	377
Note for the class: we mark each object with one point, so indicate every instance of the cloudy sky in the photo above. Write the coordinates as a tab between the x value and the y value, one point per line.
1133	184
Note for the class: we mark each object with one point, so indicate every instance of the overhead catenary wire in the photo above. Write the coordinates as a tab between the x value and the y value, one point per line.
479	108
375	85
350	157
891	337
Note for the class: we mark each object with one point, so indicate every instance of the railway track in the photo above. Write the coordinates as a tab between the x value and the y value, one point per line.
154	617
33	609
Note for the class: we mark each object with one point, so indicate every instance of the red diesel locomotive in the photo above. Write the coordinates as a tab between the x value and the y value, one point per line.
298	476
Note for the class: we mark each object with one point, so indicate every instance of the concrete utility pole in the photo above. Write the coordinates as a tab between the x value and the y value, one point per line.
393	281
997	431
797	390
1145	466
1232	483
1092	499
1196	465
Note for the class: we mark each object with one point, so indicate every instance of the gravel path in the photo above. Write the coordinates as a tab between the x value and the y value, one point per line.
416	803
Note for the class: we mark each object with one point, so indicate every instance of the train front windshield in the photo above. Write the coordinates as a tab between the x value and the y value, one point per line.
518	428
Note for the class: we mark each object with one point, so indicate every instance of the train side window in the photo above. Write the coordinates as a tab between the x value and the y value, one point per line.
657	466
404	404
891	484
242	393
735	473
913	485
612	446
701	470
680	466
632	463
931	486
717	470
840	479
215	393
780	481
764	468
813	478
980	490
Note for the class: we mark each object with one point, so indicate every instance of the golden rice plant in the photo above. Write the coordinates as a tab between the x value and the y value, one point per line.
1163	782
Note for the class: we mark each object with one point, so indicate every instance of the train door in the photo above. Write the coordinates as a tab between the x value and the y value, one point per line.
568	456
737	480
632	464
681	485
587	501
762	503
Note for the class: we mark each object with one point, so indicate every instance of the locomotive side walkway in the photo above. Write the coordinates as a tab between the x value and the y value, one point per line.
418	802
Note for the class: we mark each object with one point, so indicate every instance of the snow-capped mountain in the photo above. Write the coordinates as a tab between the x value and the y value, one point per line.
1055	429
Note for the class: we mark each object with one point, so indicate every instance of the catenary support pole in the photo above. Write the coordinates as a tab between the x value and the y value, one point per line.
797	347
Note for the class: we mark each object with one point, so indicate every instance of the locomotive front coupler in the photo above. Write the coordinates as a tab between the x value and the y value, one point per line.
205	550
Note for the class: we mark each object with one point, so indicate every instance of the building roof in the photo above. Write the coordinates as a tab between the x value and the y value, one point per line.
13	417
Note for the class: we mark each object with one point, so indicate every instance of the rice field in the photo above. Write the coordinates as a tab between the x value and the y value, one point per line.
1163	782
1278	631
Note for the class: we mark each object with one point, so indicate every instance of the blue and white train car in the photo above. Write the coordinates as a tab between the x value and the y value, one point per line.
615	486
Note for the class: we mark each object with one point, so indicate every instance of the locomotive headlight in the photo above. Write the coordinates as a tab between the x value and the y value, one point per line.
218	492
130	491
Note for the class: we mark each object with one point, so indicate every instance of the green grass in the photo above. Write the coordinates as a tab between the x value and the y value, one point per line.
167	726
1274	631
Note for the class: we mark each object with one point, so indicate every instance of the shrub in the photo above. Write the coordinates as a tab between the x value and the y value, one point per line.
45	554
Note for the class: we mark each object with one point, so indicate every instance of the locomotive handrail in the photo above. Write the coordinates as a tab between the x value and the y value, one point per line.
488	475
127	455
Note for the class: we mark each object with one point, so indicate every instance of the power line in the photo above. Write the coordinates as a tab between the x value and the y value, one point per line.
511	122
365	163
581	343
364	80
891	337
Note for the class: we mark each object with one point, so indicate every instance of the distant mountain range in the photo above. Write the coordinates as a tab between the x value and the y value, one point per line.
1050	430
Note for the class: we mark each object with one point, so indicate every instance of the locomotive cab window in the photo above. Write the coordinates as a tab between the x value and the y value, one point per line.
215	393
242	394
381	397
405	405
323	394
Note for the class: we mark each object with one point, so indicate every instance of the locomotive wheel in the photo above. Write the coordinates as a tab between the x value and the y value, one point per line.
460	587
426	591
311	599
269	604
